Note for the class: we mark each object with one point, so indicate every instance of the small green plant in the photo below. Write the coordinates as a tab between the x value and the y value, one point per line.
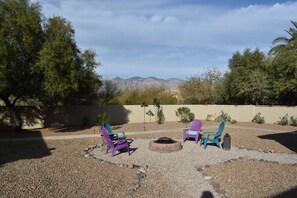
102	118
160	117
223	117
293	121
233	121
258	119
283	120
85	121
208	117
185	114
150	113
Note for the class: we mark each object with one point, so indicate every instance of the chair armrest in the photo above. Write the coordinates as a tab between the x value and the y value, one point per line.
121	141
120	134
209	134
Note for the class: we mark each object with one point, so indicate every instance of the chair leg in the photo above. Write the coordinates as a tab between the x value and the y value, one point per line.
114	151
128	149
218	143
107	149
205	144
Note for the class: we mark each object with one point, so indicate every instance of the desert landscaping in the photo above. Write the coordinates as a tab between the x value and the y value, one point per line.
261	163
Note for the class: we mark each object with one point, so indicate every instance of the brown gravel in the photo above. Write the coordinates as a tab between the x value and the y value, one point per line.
257	179
58	168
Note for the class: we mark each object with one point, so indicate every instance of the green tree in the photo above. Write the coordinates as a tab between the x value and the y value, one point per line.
195	91
284	67
247	82
202	90
136	96
21	39
41	62
212	76
108	92
283	44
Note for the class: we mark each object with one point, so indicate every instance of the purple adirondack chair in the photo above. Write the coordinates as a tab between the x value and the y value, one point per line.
193	131
116	144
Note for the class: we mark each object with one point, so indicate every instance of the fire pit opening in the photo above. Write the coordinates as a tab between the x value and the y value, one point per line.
165	145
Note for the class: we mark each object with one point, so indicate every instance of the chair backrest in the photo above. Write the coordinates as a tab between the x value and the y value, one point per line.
107	127
106	136
196	125
220	130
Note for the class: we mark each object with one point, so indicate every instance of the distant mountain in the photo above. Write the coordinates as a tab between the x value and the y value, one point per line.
138	82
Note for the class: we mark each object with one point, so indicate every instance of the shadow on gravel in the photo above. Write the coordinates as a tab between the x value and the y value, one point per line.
207	194
291	193
73	129
287	139
15	150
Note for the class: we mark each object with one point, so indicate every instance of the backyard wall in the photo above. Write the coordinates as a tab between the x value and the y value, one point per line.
38	117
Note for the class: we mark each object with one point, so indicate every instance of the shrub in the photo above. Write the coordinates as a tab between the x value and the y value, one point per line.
185	115
102	118
293	121
233	121
208	117
224	117
258	119
283	120
160	117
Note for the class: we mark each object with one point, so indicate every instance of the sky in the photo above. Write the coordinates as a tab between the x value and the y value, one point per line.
171	38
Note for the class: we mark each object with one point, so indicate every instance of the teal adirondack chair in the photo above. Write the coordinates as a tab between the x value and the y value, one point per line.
114	134
213	137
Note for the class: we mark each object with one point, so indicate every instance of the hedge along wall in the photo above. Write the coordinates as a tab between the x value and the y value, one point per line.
78	115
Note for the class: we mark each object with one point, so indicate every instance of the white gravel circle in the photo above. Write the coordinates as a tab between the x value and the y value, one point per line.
179	167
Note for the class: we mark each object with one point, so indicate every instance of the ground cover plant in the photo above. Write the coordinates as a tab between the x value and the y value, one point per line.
258	119
223	117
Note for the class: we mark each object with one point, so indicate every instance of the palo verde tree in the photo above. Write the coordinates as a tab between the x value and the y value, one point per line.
39	59
201	90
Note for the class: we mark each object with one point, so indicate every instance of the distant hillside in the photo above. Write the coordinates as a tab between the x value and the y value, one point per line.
138	82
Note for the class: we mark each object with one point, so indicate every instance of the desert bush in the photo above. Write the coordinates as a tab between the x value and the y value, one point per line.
208	117
223	117
160	117
185	114
293	121
258	119
102	118
233	121
283	120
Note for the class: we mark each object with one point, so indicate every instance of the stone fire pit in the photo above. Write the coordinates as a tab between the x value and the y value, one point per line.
165	145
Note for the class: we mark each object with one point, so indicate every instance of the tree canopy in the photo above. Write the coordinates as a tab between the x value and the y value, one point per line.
247	82
39	59
284	67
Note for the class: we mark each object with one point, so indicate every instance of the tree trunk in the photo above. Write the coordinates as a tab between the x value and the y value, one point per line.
14	114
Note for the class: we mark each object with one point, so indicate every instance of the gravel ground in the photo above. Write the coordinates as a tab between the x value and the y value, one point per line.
57	168
179	168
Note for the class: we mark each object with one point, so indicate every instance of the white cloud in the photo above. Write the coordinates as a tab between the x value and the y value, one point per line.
164	35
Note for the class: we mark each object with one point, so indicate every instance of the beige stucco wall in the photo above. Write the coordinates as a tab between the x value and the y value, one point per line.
38	117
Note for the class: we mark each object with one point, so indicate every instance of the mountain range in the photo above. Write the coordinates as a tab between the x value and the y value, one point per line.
139	82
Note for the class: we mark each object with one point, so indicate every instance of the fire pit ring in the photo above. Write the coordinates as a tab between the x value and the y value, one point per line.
165	145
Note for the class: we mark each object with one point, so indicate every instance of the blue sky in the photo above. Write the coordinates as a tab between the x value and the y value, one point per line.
171	38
